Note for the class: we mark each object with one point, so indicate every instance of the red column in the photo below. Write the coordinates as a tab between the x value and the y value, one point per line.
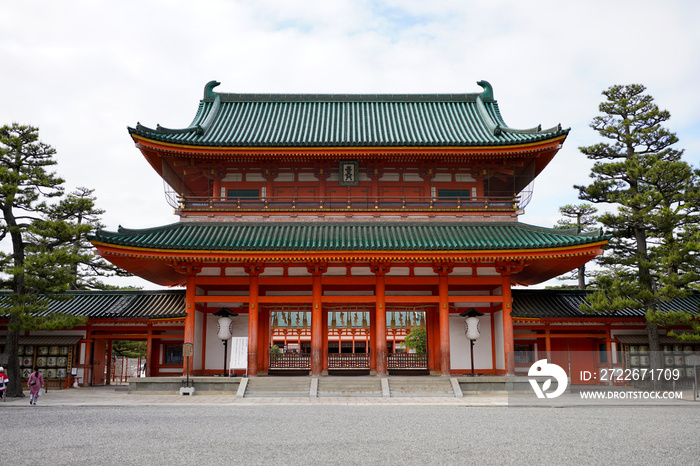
189	319
608	344
547	342
372	340
263	340
253	292
444	317
109	362
433	333
380	349
149	349
317	328
508	342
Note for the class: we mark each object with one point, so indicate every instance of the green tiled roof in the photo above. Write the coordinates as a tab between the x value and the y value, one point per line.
565	303
346	236
336	120
117	304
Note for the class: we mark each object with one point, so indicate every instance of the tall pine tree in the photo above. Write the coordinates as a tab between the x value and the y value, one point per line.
66	227
582	218
655	196
36	268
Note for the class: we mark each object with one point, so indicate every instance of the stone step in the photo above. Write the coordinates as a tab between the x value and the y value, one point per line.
420	386
349	386
278	387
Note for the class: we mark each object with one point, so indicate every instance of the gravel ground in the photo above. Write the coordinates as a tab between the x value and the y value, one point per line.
326	435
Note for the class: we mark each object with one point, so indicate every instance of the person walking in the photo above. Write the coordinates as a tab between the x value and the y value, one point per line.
3	382
35	382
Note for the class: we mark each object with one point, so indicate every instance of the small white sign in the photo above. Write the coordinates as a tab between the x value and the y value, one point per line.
239	353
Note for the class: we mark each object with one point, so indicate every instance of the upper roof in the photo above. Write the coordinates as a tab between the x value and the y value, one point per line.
114	304
347	236
340	120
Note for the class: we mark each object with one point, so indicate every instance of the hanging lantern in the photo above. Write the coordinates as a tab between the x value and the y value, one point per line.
225	324
473	331
225	328
472	325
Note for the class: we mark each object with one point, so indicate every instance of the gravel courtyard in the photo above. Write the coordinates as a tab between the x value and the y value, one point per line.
337	434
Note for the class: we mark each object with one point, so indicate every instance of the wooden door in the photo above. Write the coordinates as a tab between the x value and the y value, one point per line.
99	355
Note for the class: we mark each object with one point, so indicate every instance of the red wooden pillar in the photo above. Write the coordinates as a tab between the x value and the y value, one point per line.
189	319
548	342
263	340
216	188
608	344
372	340
324	342
317	328
380	350
493	342
149	349
205	319
433	334
253	293
444	317
508	341
109	362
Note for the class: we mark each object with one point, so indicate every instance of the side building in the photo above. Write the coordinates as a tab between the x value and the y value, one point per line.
546	324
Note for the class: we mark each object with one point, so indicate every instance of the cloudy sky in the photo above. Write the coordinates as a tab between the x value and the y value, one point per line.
82	71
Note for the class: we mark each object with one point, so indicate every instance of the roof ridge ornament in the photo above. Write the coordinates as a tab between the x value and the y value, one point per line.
487	93
209	89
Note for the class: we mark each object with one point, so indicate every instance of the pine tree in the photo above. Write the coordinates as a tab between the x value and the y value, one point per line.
67	226
656	195
36	269
129	349
582	218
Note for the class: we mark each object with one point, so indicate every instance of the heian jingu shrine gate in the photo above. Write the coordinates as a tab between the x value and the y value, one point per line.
334	224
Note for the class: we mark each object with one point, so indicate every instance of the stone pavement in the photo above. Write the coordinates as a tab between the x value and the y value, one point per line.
117	395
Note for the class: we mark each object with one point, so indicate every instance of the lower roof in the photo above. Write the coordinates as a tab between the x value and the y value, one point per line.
114	304
566	304
170	304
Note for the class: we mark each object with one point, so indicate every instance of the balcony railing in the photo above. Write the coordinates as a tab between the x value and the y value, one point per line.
290	361
328	203
348	361
407	361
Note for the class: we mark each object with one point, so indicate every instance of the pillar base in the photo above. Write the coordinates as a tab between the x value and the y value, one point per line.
187	391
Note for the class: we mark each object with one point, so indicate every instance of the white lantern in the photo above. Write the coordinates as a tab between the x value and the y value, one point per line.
225	328
473	329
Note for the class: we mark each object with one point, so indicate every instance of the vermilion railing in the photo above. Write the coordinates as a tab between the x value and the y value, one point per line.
348	361
290	361
493	203
407	361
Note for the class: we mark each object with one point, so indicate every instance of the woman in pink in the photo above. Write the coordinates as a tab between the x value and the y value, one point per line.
35	382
